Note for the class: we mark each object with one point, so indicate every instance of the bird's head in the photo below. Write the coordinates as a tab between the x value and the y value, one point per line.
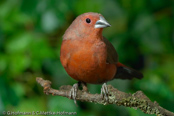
87	24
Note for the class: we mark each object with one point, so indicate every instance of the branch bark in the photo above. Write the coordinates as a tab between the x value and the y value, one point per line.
136	100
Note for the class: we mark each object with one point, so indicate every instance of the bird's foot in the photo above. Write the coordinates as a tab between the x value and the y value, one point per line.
84	87
73	92
104	92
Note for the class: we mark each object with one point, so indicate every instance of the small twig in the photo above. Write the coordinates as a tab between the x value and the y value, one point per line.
136	100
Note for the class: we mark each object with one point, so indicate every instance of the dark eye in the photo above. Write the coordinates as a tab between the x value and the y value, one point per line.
88	20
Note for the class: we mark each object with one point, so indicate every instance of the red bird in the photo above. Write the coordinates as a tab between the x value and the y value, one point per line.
88	57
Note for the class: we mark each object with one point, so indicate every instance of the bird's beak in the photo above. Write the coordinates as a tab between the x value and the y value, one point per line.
102	23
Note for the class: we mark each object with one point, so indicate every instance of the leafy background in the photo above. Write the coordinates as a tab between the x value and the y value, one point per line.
30	38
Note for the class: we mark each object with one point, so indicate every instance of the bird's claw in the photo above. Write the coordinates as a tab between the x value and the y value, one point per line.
84	87
73	92
104	92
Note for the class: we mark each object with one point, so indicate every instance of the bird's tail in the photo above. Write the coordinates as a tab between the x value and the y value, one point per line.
124	72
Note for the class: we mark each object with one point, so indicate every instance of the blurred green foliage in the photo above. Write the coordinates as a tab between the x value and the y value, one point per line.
30	38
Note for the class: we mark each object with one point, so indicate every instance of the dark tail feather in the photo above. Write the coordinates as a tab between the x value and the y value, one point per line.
124	72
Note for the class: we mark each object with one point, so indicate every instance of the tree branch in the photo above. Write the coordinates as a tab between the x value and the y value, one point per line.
136	100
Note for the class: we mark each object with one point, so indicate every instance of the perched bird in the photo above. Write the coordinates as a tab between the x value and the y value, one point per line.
88	57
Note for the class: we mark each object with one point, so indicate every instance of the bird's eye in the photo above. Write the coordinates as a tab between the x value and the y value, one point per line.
88	20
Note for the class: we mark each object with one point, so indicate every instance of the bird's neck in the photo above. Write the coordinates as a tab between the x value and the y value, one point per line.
97	34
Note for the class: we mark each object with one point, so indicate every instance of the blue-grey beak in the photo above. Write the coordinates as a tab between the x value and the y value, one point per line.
102	23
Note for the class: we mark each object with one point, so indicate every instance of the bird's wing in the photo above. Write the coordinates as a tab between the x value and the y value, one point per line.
112	56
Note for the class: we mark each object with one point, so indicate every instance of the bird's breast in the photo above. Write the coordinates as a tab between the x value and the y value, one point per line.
83	54
84	59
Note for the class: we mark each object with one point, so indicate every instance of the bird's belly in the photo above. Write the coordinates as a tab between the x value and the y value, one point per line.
90	68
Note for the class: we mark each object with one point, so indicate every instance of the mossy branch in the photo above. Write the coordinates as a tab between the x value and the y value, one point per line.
136	100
